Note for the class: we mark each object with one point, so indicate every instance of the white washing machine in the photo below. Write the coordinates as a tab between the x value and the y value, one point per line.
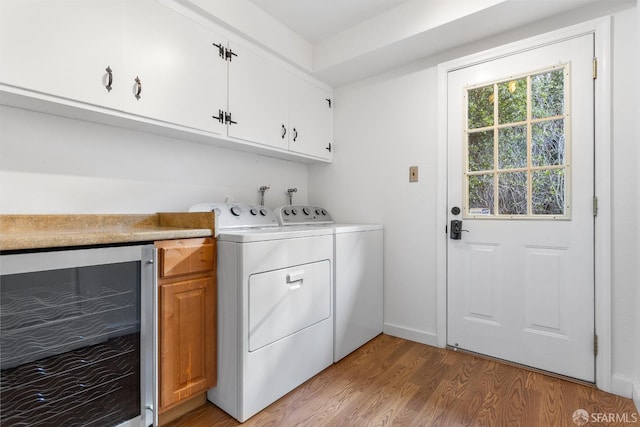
275	307
358	275
358	286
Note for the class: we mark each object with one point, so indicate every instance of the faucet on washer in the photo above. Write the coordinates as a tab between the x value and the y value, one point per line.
290	192
262	191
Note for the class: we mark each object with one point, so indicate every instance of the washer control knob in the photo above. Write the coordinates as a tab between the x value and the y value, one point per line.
306	211
263	212
254	211
318	211
324	212
286	211
294	211
236	211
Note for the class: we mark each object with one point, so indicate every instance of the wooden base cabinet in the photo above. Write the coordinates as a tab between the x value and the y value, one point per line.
186	319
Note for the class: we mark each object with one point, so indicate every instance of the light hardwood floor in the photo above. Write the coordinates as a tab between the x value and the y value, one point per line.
392	381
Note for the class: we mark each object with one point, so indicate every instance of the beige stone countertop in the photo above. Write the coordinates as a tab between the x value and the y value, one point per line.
19	232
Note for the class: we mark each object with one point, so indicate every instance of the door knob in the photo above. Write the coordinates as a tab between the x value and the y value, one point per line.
456	230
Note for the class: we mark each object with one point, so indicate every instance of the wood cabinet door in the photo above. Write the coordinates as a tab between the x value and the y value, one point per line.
187	339
310	119
63	48
182	78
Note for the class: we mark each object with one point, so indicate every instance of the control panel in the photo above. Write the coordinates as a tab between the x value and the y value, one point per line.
302	215
238	215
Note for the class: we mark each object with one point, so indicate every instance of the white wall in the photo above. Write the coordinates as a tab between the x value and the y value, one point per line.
386	124
50	164
381	128
626	206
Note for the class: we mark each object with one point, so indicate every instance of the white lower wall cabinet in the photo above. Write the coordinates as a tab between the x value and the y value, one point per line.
148	63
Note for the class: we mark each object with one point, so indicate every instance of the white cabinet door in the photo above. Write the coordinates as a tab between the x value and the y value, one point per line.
310	119
182	78
62	48
257	98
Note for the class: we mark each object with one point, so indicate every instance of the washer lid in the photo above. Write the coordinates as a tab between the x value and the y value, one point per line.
264	234
352	228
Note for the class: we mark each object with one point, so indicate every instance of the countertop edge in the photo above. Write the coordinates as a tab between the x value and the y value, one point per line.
25	232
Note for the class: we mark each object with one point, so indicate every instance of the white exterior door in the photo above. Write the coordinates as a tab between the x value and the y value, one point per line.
521	171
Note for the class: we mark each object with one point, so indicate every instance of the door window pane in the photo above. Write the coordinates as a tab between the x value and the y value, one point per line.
480	148
547	143
512	147
547	94
481	192
512	101
548	192
480	107
512	193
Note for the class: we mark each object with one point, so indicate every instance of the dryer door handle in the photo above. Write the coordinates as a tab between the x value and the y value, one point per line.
295	277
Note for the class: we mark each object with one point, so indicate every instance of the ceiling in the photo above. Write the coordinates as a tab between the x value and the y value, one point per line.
343	41
316	20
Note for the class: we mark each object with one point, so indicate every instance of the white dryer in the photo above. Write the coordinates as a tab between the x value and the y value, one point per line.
358	275
275	307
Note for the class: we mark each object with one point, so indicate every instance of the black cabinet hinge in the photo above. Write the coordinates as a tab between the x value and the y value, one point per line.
221	50
224	118
220	117
227	119
229	54
224	52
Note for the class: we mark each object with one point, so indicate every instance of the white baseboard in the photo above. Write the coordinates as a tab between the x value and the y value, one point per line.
636	394
428	338
621	385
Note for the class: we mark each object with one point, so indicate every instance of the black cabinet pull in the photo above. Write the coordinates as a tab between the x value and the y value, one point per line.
284	131
138	88
328	147
110	79
295	134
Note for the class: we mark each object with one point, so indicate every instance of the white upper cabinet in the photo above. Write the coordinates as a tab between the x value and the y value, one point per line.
257	98
275	107
174	70
63	48
156	65
310	119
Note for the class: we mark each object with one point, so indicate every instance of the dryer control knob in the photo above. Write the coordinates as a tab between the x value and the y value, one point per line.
263	212
286	211
236	211
318	211
294	211
254	211
306	211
